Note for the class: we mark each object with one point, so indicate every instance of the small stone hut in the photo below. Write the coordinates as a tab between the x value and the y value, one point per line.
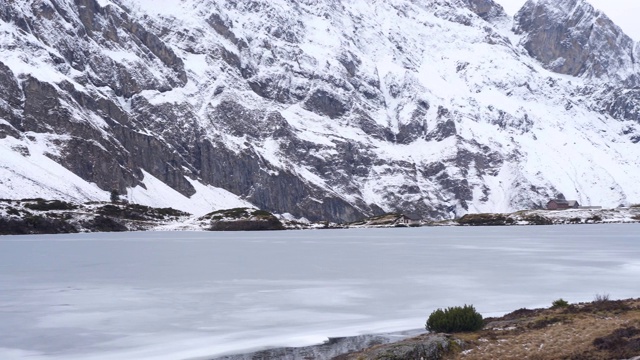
558	204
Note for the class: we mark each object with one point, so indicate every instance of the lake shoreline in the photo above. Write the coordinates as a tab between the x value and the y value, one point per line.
38	216
605	338
329	349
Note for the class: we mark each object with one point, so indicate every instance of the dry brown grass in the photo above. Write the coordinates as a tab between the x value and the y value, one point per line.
553	334
600	330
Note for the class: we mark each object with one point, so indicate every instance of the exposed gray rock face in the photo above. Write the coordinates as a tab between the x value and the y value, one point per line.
425	347
10	90
10	100
572	37
487	9
625	104
325	103
268	187
334	348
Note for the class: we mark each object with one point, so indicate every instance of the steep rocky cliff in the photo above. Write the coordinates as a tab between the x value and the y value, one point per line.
571	37
326	109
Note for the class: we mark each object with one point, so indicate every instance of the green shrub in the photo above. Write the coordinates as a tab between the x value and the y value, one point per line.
235	213
455	319
104	224
13	211
544	322
535	219
485	220
560	303
44	205
115	196
35	225
247	225
171	212
262	213
595	218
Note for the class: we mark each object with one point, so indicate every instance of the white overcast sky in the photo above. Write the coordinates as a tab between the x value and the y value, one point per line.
624	13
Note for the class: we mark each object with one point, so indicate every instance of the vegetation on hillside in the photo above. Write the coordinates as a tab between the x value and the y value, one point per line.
455	319
600	330
242	219
39	216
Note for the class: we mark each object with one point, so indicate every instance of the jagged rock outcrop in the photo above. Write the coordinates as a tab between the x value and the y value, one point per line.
572	37
340	348
624	103
487	9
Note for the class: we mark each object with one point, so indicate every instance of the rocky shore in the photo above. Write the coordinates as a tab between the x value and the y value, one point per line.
600	330
333	348
40	216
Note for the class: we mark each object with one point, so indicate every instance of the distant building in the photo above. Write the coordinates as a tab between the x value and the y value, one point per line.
408	220
557	204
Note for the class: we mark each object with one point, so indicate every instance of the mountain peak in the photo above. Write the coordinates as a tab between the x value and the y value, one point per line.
572	37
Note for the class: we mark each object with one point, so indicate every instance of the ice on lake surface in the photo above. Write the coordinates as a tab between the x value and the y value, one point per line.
183	295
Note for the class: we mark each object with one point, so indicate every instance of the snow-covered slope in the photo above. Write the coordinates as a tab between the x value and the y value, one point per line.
324	109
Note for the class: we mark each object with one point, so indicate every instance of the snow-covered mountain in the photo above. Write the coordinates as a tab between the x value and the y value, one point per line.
327	109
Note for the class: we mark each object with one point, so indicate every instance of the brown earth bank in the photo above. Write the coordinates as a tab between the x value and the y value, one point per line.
602	329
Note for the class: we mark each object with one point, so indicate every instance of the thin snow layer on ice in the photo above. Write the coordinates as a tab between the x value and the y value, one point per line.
168	295
206	199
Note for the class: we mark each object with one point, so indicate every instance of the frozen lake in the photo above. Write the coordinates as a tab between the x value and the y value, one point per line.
183	295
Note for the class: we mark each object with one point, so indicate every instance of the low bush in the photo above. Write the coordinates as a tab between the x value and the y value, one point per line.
13	211
485	220
519	314
235	213
44	205
138	212
600	298
121	212
455	319
609	306
560	303
104	224
535	219
35	225
622	343
595	219
171	212
544	322
262	213
247	225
